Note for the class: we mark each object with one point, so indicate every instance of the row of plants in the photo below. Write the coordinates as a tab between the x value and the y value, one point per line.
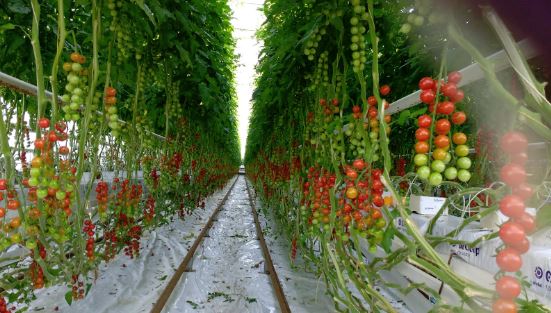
339	174
85	172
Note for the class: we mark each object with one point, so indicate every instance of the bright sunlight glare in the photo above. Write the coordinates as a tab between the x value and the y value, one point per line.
247	18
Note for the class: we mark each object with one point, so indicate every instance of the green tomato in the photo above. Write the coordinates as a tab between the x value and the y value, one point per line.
373	135
69	188
464	175
464	163
423	172
16	238
450	173
30	244
406	28
462	150
41	193
435	179
35	172
60	195
419	20
447	158
438	166
420	159
33	181
76	67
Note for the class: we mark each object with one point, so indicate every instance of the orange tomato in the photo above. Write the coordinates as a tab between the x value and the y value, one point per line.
442	141
421	147
459	138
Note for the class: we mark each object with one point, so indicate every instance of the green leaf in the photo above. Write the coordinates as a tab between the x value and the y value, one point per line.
69	297
7	26
543	216
88	287
388	236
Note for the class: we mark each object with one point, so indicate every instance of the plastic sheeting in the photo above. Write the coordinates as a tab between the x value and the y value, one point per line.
228	270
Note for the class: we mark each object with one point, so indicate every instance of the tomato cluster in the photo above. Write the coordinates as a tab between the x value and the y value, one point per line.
102	198
453	163
89	231
36	272
520	224
76	87
110	101
77	290
358	29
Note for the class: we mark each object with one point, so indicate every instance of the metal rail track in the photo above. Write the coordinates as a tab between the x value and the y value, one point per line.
276	284
159	306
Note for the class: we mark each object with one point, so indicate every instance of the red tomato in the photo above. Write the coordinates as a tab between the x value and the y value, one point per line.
335	102
449	90
508	287
504	306
424	121
426	83
352	174
422	134
513	142
459	118
39	144
372	112
60	126
356	109
458	97
522	247
44	122
513	174
3	184
384	90
372	101
110	92
2	212
323	102
442	141
454	77
64	150
52	137
511	232
110	100
13	204
527	222
359	164
443	126
512	206
524	191
446	108
376	174
427	96
509	260
378	200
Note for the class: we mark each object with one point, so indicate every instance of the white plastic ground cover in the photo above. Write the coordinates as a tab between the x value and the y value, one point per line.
228	272
132	286
305	292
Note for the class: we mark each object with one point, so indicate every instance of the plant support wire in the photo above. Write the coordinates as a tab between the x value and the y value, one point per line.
31	90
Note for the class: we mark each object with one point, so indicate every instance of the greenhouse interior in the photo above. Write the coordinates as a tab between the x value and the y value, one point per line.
275	156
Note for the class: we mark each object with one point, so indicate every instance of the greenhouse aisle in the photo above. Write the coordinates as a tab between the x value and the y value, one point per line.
228	270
